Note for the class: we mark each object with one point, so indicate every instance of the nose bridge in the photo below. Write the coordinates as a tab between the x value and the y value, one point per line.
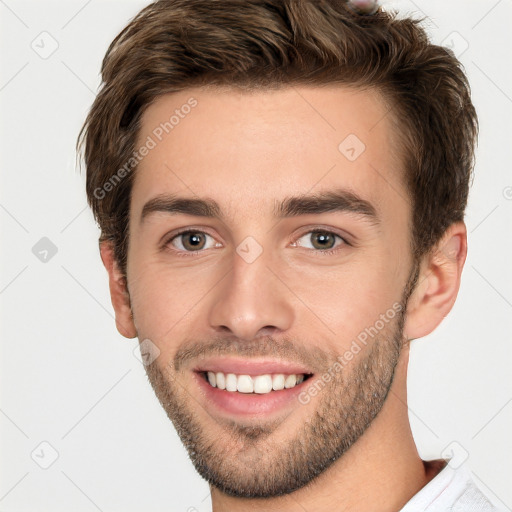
251	301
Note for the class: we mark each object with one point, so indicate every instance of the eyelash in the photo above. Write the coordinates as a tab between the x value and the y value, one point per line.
185	254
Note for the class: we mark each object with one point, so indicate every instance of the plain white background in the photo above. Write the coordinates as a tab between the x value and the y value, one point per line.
70	381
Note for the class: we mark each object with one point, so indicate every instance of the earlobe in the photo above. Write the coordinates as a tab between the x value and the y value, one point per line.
118	292
438	283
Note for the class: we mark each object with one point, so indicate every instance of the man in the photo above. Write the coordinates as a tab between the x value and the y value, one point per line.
280	187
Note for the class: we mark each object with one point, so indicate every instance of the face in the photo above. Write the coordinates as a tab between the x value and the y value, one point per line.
269	255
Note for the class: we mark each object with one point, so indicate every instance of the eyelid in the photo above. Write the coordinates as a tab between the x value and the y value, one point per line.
324	229
305	230
167	239
330	231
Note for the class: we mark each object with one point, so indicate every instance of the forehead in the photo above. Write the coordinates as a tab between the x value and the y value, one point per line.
250	148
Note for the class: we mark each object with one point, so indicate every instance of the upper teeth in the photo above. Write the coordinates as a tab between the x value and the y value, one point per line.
258	384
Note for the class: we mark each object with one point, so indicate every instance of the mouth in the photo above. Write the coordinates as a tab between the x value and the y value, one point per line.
244	388
253	384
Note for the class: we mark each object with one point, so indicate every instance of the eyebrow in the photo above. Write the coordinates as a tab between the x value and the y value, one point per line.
339	200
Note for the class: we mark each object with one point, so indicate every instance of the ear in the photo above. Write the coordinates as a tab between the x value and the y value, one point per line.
438	283
118	292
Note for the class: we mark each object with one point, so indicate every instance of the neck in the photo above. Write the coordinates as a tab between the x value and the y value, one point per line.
380	472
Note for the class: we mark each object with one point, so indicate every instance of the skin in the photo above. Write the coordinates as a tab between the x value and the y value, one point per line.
246	151
364	6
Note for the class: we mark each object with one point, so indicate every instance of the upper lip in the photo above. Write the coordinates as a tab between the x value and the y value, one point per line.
250	366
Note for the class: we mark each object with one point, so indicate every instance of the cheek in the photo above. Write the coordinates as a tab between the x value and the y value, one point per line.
347	300
334	302
164	298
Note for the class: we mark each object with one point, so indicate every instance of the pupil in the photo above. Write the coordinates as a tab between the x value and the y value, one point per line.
323	238
193	240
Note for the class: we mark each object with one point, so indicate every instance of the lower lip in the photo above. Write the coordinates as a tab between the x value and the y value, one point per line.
248	404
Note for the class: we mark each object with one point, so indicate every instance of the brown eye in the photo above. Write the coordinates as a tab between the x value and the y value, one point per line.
320	240
190	241
323	240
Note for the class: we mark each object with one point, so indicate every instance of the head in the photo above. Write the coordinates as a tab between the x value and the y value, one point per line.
285	181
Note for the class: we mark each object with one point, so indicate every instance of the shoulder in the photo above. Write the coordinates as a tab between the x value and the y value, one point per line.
469	496
452	489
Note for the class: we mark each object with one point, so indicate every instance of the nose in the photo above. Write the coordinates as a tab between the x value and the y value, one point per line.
251	301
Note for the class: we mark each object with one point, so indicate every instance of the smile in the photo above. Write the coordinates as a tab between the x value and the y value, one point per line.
249	388
259	384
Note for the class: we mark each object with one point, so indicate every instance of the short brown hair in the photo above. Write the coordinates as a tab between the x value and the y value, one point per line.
172	45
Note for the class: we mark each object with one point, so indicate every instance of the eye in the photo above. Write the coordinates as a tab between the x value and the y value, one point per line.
194	241
190	241
324	241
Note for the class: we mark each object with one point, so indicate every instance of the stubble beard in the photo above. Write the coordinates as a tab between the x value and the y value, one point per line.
245	460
